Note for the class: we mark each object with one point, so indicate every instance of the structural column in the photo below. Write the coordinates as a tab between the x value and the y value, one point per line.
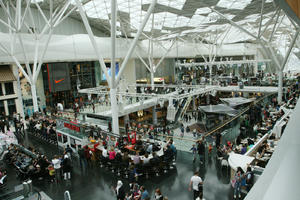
34	97
114	110
207	98
210	75
19	91
194	103
154	114
280	86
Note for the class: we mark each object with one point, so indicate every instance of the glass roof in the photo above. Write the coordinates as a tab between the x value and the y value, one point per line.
190	19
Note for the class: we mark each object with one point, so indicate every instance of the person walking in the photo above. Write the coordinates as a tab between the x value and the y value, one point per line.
201	151
82	158
195	182
194	152
66	166
158	195
57	167
120	192
238	182
249	178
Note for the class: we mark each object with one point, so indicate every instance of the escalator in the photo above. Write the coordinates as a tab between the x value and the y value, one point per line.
183	108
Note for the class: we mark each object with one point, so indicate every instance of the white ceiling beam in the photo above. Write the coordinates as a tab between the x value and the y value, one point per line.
93	41
134	43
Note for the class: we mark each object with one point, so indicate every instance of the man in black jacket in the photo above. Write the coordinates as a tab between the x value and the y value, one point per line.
201	151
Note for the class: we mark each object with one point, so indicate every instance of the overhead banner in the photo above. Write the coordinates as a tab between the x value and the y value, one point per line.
58	77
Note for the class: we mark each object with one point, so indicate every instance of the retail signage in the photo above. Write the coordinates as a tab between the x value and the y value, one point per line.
72	127
58	77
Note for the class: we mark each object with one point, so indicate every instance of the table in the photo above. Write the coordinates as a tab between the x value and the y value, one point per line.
159	153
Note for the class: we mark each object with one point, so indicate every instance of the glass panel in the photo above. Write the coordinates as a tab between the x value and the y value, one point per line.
11	106
73	143
2	111
59	137
1	92
9	88
65	139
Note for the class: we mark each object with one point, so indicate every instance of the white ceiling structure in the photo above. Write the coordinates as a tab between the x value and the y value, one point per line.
199	22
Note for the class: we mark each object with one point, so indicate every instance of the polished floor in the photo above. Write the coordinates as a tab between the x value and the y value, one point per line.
97	183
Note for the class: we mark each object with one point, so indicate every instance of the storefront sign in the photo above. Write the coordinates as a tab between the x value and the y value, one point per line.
72	127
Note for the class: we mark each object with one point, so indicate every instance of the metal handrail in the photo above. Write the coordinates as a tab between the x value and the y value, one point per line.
67	195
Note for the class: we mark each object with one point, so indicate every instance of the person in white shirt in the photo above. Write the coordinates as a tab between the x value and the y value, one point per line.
56	164
196	183
38	126
104	152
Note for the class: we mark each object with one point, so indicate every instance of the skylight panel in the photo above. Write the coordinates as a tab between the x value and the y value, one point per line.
252	18
203	11
97	9
177	4
182	21
197	20
36	1
229	16
71	1
233	4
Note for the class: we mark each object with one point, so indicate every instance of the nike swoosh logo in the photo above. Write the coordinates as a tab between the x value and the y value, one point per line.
57	81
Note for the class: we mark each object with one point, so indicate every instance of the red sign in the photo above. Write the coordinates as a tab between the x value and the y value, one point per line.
72	127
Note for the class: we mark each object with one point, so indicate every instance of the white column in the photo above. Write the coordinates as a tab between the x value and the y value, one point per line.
6	107
210	75
114	110
19	92
34	98
194	103
280	85
154	114
207	98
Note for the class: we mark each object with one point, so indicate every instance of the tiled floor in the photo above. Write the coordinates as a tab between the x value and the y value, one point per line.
96	184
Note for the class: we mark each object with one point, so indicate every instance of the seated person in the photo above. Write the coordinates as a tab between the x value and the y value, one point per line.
146	160
125	158
250	142
149	148
105	153
136	158
244	149
118	157
168	153
112	154
155	159
139	143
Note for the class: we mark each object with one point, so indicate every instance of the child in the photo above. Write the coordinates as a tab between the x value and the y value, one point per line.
194	133
209	149
51	172
194	152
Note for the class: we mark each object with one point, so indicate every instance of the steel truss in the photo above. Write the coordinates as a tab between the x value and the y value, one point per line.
267	46
16	20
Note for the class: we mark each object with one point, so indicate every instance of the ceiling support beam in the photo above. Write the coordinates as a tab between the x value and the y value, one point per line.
134	43
292	44
93	41
164	56
274	27
15	25
261	17
269	22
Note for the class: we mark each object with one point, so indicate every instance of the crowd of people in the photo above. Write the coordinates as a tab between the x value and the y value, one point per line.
136	192
43	127
30	164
